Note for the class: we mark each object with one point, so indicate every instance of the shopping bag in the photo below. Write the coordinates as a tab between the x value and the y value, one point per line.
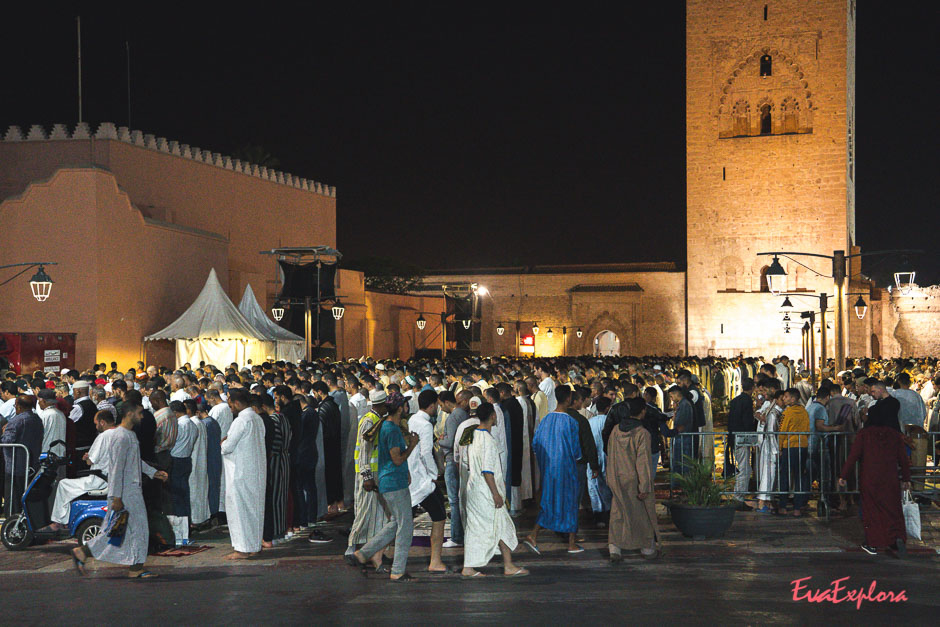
911	515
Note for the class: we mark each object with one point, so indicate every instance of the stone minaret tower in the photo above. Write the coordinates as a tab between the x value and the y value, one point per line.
770	113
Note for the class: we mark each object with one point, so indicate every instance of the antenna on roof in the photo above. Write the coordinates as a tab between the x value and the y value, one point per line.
78	26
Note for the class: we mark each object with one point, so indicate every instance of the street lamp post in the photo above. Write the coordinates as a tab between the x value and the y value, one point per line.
811	315
40	284
776	280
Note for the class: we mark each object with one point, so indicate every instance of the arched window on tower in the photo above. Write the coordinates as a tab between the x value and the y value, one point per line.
741	116
791	115
766	65
765	123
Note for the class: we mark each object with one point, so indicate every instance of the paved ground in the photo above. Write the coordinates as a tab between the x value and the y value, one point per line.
744	578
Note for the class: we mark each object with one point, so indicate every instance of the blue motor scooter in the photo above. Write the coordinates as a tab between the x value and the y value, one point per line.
86	513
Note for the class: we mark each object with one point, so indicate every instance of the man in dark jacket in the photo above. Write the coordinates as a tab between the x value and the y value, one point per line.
330	421
25	428
588	447
304	465
512	414
740	420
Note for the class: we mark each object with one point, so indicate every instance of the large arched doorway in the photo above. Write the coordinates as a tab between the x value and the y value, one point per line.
607	344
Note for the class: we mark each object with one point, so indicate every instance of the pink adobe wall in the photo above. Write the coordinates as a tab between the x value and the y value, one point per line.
254	214
118	277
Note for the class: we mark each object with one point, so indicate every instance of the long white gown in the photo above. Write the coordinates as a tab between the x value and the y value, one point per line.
485	525
124	483
245	474
460	458
199	477
222	414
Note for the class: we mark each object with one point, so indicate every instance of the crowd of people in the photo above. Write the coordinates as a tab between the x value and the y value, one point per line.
274	450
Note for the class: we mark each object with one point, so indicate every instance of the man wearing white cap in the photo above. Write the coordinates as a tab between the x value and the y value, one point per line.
371	512
411	395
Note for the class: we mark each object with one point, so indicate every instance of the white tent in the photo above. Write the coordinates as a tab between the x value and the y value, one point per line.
281	343
212	330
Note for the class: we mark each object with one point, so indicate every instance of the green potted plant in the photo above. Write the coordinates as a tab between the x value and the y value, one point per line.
701	511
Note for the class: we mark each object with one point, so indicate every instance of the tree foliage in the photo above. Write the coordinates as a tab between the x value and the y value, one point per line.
388	275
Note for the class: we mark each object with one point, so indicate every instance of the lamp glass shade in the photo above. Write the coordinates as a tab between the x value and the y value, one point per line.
776	277
579	332
904	281
535	329
421	322
466	323
500	329
549	334
277	312
861	308
338	310
41	285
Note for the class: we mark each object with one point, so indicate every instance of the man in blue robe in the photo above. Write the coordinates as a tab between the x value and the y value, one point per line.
557	449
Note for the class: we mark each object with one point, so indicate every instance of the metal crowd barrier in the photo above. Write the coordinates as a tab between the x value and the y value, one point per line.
10	504
757	469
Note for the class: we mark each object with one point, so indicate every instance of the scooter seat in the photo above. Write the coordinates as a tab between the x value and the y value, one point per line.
95	495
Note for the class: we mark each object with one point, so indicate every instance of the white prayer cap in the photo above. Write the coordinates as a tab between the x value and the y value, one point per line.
657	367
81	383
378	396
412	381
380	366
475	402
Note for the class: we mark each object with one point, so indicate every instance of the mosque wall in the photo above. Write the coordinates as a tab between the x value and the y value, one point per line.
643	307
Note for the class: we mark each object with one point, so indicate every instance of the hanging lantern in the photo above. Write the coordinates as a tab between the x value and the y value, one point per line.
277	312
786	329
41	285
776	277
338	310
786	303
549	334
421	322
535	329
500	329
466	323
579	332
861	308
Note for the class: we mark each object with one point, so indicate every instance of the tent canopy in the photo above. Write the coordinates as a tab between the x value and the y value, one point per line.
252	311
212	316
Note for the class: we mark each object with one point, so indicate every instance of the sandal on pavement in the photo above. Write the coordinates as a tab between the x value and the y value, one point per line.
577	549
146	574
473	576
532	546
406	578
522	572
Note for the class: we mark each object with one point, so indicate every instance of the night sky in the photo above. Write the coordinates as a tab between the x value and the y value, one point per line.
492	136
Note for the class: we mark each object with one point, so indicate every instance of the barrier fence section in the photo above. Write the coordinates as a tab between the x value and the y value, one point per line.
15	484
772	466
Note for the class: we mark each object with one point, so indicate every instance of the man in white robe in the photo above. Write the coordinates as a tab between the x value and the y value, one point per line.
222	414
243	458
489	527
98	457
198	477
124	493
53	424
